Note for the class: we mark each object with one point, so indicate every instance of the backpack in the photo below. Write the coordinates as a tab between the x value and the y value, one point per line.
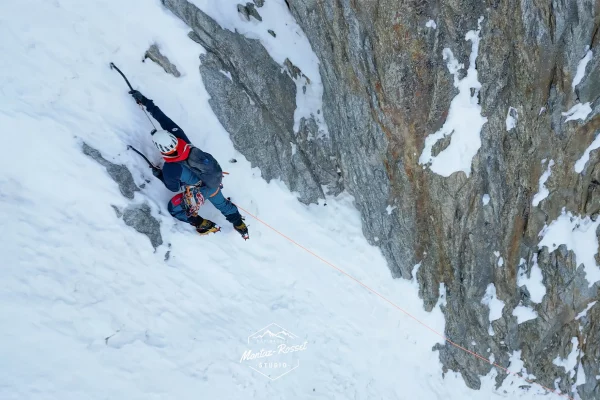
205	167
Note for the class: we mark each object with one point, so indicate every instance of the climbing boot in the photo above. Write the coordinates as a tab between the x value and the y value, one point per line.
205	227
242	230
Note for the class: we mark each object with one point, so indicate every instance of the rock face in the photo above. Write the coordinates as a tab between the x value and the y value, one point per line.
387	87
155	55
243	80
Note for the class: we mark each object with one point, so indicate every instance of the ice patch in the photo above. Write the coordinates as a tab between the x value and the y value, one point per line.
415	270
431	24
464	121
556	388
533	282
485	199
500	262
250	98
524	313
578	111
581	68
389	209
577	234
580	164
516	366
442	299
542	190
227	74
495	305
511	118
584	312
580	373
570	362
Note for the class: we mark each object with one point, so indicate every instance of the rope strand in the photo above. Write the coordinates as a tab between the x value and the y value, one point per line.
401	309
147	116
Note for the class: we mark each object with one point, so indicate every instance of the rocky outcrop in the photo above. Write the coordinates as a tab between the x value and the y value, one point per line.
388	85
137	216
154	54
249	10
119	173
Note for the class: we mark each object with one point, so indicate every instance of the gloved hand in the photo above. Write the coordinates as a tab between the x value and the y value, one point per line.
157	173
139	98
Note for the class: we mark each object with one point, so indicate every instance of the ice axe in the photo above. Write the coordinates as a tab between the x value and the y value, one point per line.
129	147
113	66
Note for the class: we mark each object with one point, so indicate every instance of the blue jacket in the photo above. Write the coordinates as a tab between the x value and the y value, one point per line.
174	174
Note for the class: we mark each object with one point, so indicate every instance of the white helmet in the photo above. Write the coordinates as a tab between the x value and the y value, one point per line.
164	141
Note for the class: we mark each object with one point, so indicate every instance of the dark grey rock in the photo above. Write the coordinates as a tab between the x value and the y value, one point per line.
194	36
259	3
589	88
249	10
155	55
387	85
272	33
119	173
244	11
294	71
118	211
139	217
168	253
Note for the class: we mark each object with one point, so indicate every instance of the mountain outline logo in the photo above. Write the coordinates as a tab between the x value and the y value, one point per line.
273	351
271	332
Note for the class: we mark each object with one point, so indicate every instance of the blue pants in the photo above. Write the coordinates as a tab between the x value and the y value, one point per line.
178	210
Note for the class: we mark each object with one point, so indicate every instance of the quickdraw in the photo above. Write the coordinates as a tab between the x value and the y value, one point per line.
193	200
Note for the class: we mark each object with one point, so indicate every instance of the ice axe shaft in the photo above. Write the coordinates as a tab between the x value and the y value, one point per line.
113	66
129	147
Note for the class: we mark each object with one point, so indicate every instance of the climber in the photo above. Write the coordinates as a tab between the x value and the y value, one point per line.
189	168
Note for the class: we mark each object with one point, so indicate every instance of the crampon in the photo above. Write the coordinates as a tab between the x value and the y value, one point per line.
207	227
242	229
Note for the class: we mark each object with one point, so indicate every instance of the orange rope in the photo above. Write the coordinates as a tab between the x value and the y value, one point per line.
401	309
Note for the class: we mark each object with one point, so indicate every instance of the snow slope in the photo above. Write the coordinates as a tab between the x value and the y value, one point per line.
89	311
